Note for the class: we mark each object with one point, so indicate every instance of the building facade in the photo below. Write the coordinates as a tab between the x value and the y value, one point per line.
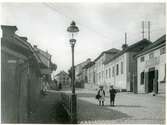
20	77
81	74
63	79
151	67
99	67
90	72
121	70
46	68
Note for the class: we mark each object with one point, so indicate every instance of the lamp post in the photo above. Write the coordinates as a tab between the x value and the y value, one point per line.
73	29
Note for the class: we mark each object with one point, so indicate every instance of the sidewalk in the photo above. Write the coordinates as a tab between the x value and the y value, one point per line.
130	108
49	110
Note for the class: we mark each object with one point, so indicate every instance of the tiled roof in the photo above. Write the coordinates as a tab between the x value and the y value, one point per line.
134	48
89	65
110	51
158	42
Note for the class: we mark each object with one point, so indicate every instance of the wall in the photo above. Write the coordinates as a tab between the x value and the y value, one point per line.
91	83
9	89
20	87
99	69
119	81
159	65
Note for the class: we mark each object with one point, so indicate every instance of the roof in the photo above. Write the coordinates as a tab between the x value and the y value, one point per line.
89	65
24	41
160	41
62	72
16	40
45	57
132	48
110	51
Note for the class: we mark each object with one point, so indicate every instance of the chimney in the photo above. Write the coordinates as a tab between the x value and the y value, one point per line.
8	31
124	46
35	46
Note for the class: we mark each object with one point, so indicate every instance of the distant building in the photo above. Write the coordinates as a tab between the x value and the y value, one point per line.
99	67
90	75
121	69
81	74
151	65
63	79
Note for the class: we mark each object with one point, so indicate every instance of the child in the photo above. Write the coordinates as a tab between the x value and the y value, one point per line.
112	95
101	94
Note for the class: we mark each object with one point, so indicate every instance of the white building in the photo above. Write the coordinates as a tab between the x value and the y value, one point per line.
63	79
99	67
80	74
151	64
90	72
120	70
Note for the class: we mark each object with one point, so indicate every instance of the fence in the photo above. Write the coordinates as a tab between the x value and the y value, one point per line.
69	102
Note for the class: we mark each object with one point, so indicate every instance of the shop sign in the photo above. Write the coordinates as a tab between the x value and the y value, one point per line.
152	62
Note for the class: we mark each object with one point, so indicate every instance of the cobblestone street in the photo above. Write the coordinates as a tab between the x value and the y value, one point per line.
130	108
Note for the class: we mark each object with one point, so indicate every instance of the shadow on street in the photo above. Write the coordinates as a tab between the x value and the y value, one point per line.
49	111
88	111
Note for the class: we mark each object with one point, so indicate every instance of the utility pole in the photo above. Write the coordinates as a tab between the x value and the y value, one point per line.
125	38
148	30
143	29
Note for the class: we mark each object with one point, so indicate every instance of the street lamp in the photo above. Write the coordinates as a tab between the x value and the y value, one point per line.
73	29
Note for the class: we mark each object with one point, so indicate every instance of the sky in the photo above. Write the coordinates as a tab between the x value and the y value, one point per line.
102	26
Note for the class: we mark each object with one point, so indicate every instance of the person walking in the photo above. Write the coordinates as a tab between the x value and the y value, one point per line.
101	94
112	92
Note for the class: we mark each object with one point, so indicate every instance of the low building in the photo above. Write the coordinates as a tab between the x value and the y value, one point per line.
63	80
151	67
80	74
120	70
99	67
90	75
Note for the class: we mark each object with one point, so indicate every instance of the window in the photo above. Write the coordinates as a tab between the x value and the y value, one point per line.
121	67
162	50
142	59
113	72
151	55
142	78
99	76
109	72
106	73
117	69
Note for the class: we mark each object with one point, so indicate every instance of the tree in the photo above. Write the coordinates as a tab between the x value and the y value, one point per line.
70	72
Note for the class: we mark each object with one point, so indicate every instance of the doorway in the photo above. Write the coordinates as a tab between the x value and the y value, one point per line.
151	76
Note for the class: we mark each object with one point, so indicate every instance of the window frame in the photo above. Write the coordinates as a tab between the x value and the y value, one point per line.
122	68
142	78
117	69
142	59
151	55
162	50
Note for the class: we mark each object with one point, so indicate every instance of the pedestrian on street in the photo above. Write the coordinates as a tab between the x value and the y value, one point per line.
112	92
101	94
